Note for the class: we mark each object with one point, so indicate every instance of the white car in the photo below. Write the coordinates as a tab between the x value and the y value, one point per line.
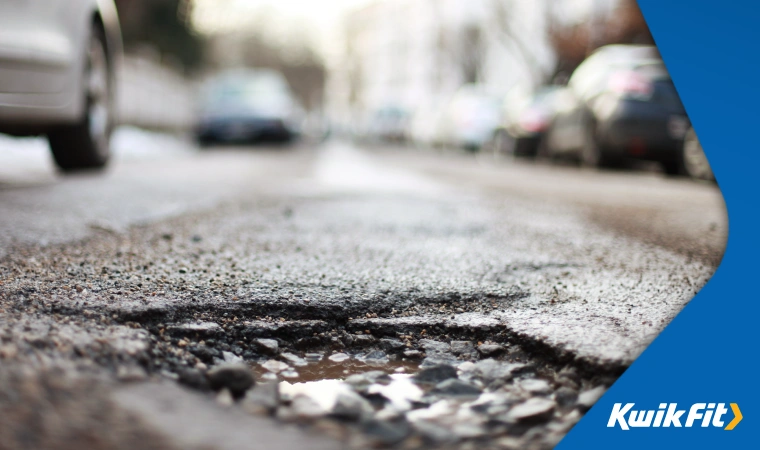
470	119
57	65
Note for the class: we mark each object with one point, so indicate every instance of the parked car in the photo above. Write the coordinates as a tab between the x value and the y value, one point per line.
470	119
57	66
695	162
389	124
526	118
620	103
248	106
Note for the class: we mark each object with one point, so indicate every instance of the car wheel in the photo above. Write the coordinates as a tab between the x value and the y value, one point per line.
544	150
672	168
695	162
86	144
527	147
204	142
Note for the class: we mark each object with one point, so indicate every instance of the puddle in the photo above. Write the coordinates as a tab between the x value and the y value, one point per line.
309	367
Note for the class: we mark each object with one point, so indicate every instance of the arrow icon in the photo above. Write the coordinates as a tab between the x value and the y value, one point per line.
737	417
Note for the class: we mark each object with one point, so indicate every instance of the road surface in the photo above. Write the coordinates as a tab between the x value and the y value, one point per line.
317	244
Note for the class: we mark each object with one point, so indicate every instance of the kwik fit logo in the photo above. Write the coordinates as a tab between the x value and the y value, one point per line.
668	415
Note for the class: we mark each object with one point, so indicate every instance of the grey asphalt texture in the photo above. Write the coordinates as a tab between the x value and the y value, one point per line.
314	243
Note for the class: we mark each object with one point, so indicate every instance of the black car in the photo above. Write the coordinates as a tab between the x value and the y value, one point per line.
248	106
620	104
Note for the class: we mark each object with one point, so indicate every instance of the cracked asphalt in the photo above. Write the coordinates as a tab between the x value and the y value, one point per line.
110	277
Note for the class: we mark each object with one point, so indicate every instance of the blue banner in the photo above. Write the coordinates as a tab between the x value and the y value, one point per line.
696	386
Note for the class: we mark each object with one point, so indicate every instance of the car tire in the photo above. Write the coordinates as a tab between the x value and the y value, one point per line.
673	167
204	142
86	144
695	162
527	148
544	150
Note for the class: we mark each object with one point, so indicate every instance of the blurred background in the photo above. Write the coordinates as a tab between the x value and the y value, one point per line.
369	65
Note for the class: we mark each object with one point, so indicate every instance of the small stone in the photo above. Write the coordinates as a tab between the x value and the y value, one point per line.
294	359
588	398
235	377
434	432
290	373
565	396
536	386
534	409
391	345
490	349
304	407
438	360
267	346
387	433
376	356
457	388
361	380
434	347
413	354
377	376
193	378
201	327
567	382
364	340
275	366
230	357
131	373
313	357
466	367
493	402
338	357
435	374
224	398
490	370
468	429
462	347
571	373
265	396
351	406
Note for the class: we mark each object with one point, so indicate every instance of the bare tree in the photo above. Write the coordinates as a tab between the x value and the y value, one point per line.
512	32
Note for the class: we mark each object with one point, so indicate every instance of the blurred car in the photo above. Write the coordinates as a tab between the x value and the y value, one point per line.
695	162
470	119
57	65
248	106
389	124
526	118
620	103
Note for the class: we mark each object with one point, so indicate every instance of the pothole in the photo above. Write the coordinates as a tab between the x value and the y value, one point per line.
444	380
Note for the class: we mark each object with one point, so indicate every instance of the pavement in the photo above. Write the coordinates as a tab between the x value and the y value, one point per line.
112	274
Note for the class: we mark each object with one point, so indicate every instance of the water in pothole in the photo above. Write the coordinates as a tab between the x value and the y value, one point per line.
319	366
